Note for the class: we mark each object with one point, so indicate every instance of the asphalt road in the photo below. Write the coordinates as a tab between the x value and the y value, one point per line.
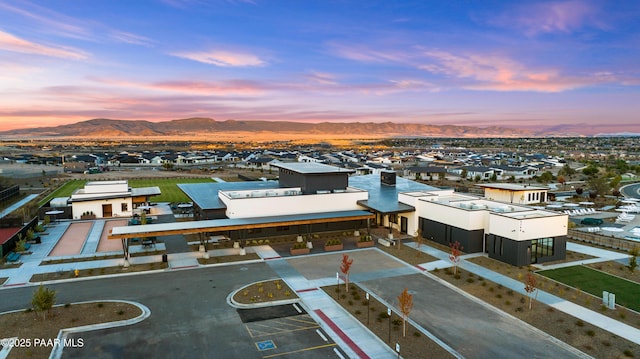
189	316
470	328
632	190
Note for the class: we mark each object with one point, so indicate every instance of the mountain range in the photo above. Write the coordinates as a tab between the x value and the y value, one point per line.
107	128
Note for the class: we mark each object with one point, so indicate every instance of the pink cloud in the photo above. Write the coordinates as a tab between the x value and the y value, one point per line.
365	54
552	17
213	88
223	58
491	72
13	43
129	38
52	21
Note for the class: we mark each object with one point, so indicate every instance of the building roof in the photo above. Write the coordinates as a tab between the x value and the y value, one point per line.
427	169
512	186
215	225
384	198
7	233
205	195
146	191
311	168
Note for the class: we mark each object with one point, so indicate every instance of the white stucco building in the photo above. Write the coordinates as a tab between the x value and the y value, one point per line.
107	199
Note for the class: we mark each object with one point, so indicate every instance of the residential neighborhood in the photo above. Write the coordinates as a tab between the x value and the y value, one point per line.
265	206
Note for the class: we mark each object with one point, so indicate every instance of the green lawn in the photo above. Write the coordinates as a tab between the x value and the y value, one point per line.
168	187
594	282
64	191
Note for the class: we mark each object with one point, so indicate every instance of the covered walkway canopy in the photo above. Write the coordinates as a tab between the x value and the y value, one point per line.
218	225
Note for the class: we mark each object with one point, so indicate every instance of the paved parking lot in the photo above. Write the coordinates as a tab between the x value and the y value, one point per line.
288	332
190	318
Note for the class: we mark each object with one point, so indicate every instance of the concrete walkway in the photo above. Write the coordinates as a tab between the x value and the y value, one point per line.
348	332
91	244
17	205
317	301
602	255
623	330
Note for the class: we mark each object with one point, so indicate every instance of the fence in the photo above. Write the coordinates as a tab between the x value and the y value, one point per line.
10	244
8	193
602	240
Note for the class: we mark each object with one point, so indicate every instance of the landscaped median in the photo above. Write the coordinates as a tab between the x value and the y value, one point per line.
577	294
35	337
586	337
264	293
373	315
71	273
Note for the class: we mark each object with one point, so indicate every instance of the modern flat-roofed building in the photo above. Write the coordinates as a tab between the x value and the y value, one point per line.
517	235
107	199
515	193
313	197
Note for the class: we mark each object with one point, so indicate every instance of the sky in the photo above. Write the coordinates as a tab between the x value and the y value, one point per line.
565	65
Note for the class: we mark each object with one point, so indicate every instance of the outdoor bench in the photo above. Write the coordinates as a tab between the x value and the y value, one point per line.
13	257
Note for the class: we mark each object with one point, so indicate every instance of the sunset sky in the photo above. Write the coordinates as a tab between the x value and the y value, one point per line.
572	65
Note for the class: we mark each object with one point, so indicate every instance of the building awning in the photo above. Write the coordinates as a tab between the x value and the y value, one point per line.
387	208
218	225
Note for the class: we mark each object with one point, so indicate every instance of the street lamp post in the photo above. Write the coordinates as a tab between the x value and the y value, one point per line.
368	309
389	315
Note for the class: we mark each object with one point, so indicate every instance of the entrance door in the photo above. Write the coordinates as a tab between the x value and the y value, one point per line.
107	211
404	223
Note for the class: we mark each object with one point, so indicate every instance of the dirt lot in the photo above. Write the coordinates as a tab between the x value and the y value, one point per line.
33	329
413	345
588	338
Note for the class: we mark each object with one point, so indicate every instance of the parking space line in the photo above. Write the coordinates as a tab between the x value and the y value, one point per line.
257	333
300	350
284	325
309	321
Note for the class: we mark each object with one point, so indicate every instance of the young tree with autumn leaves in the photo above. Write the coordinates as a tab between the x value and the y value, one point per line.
530	286
345	267
405	300
454	256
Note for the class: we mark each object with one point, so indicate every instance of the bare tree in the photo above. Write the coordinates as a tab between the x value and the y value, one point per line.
406	305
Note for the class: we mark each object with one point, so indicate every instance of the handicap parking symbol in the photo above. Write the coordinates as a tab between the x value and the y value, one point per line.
265	345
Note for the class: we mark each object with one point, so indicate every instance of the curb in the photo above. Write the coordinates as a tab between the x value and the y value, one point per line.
503	313
424	331
56	352
272	303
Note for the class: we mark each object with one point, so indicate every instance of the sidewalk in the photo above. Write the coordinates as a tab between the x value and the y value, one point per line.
602	255
17	205
623	330
333	318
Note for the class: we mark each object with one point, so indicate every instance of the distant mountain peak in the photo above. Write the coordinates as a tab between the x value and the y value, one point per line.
102	127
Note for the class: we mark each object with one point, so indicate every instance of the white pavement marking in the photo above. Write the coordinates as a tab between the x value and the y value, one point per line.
321	335
6	349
